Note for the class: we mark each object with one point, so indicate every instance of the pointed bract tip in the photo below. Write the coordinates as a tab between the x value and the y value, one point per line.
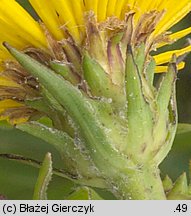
129	49
173	64
174	59
6	45
48	155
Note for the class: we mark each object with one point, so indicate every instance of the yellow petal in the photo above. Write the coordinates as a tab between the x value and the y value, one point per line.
111	7
102	10
180	34
4	104
44	8
78	11
165	57
119	7
175	11
20	120
91	5
176	36
16	17
162	69
66	16
7	82
8	104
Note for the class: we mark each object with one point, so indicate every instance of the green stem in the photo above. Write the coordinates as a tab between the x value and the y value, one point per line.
141	184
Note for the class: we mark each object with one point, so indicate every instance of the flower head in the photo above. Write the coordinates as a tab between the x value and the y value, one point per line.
68	29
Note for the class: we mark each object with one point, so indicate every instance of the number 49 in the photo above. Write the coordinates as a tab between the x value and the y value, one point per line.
182	208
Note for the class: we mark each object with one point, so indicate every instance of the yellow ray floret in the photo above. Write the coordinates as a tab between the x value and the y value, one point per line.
8	82
165	57
66	16
44	7
91	5
175	11
180	34
9	104
16	18
162	69
102	9
176	36
111	7
119	6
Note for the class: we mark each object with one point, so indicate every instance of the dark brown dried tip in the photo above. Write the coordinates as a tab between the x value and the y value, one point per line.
173	63
6	45
129	49
174	59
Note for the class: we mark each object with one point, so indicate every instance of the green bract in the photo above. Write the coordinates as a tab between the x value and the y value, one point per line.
116	135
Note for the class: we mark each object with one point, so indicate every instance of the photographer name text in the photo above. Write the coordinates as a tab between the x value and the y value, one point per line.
47	209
